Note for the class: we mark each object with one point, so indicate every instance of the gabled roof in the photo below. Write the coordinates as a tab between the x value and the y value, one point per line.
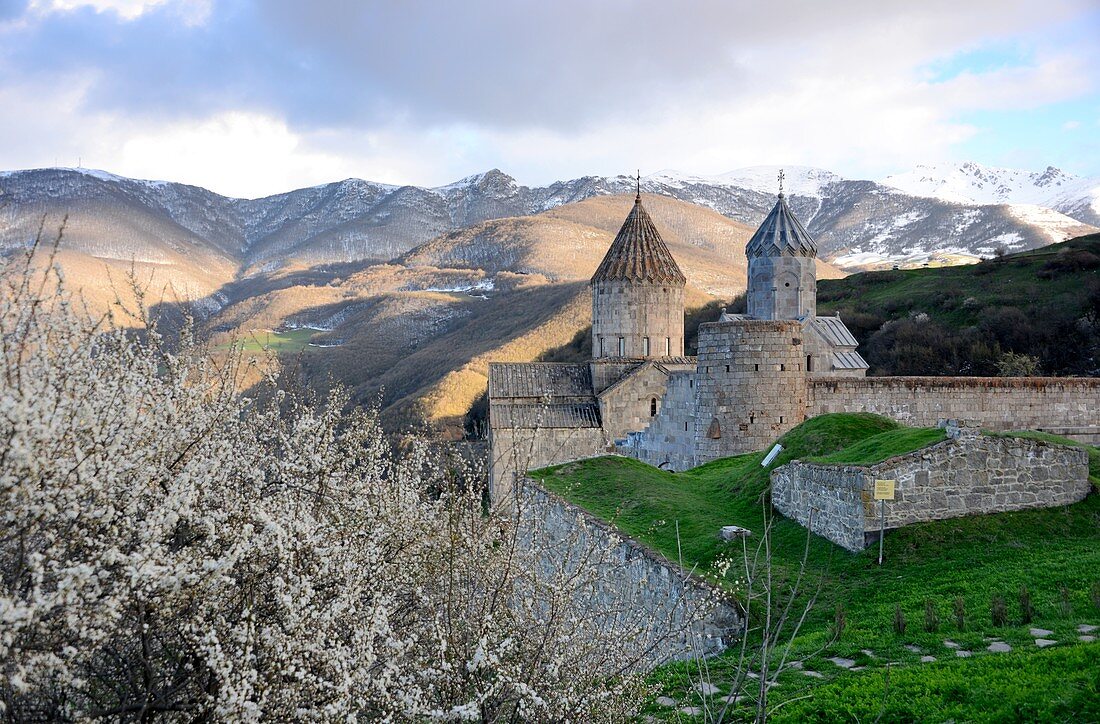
638	253
833	331
781	234
569	416
539	379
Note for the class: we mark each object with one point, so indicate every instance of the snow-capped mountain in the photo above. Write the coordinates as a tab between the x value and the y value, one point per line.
972	183
855	222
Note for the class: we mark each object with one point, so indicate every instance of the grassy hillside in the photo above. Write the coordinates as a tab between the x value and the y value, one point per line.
1054	552
1043	303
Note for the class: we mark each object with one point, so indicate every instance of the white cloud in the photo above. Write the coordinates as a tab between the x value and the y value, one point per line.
1071	125
193	11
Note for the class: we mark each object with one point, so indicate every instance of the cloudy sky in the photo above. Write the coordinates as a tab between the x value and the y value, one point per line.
250	97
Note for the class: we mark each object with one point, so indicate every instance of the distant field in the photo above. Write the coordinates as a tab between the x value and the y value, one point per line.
973	558
259	340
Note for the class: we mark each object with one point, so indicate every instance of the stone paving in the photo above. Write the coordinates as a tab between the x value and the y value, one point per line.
996	646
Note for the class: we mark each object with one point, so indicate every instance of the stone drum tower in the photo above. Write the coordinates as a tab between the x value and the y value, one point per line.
782	276
638	294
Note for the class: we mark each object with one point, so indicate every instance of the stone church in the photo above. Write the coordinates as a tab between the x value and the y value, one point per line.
756	376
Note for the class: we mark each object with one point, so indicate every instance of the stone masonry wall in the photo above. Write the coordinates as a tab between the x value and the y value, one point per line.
670	437
971	475
636	311
515	451
690	617
750	385
626	405
1055	404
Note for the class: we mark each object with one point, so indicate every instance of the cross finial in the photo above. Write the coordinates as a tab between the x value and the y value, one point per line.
782	175
638	179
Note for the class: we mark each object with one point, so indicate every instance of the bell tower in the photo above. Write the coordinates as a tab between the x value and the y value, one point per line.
782	271
638	294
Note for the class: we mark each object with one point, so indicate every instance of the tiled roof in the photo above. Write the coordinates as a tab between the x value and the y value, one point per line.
539	379
833	330
848	360
781	234
553	415
639	254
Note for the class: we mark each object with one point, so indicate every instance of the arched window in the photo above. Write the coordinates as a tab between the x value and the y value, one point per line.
653	407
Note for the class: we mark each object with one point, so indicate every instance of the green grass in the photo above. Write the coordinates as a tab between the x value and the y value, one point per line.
289	341
973	558
1060	684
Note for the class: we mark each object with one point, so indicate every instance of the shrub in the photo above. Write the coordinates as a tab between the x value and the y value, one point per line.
931	617
1064	602
960	613
998	611
899	620
840	622
1094	594
1027	612
174	548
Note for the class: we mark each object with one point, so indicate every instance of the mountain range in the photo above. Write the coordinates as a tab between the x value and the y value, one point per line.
412	290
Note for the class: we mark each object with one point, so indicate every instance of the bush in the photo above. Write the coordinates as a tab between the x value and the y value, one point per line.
1027	611
174	548
931	617
1065	605
840	622
1094	594
899	620
960	613
998	611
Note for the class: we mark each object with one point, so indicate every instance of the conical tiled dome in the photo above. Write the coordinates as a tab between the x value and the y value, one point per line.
638	253
781	234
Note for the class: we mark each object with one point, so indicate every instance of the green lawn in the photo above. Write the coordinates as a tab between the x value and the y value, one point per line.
1049	551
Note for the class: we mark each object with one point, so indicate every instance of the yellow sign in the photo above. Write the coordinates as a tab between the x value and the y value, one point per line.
884	489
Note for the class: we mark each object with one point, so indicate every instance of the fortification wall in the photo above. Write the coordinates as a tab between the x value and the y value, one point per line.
751	385
514	451
971	475
670	437
1060	405
689	617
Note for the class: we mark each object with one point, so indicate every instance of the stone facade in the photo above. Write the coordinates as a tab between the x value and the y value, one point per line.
635	320
971	475
634	402
669	440
750	385
690	617
1060	405
782	287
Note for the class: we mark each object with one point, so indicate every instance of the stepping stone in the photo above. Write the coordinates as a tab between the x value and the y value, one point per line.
843	662
951	644
1038	633
1086	628
857	668
999	647
927	659
707	688
732	698
666	701
691	710
1086	638
1043	643
911	647
814	674
868	653
752	674
795	664
963	654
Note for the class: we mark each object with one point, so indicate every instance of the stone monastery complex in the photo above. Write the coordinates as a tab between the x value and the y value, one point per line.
756	376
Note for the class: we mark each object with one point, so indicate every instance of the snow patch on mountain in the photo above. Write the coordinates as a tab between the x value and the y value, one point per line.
973	183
